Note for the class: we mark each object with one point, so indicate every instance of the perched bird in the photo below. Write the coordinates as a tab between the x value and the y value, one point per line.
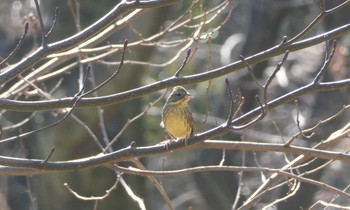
177	118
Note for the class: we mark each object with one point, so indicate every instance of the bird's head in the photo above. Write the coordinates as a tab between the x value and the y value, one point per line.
179	95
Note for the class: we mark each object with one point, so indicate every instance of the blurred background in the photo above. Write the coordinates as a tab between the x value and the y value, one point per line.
253	26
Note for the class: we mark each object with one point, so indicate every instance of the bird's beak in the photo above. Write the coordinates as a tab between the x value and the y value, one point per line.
188	96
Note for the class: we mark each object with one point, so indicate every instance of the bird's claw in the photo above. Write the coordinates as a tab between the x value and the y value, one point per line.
166	144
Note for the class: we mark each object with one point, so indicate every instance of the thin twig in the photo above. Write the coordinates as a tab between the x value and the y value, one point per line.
271	77
132	195
18	46
114	74
235	104
88	130
244	61
254	121
130	121
278	67
50	155
239	182
57	15
232	102
42	27
21	123
188	53
85	198
292	191
99	110
328	58
312	129
337	7
298	121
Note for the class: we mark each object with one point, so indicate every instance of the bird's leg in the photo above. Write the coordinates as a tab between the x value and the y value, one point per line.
185	140
166	143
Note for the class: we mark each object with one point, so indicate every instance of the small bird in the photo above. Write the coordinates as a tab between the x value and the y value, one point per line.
177	117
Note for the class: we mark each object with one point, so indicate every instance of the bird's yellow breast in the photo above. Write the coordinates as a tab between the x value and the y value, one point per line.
175	123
